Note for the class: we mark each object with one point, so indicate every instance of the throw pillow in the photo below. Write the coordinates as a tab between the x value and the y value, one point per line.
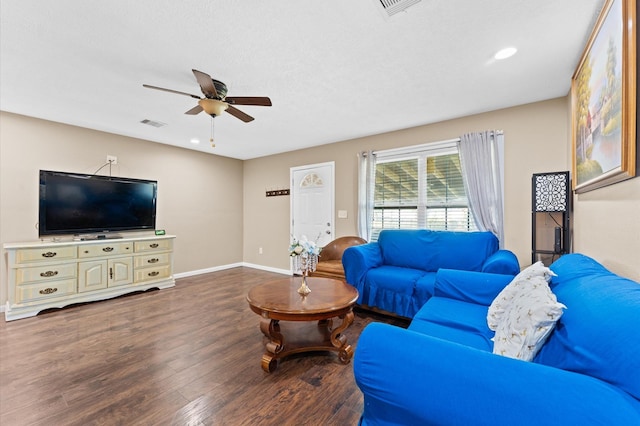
524	314
506	296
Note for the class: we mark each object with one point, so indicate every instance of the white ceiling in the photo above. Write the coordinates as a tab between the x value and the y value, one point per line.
334	69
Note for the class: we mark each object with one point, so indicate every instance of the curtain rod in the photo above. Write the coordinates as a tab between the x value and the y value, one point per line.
430	145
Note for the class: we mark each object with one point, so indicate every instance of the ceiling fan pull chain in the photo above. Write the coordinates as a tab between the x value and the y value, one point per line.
213	145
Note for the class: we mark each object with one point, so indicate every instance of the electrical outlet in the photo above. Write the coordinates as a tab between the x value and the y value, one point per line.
260	250
112	159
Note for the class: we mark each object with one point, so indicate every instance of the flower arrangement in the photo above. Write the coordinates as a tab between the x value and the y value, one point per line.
303	247
305	259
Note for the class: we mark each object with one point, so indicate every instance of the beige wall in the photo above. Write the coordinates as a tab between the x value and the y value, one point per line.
536	140
199	195
218	209
607	226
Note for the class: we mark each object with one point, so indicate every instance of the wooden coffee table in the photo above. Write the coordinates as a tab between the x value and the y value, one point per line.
278	300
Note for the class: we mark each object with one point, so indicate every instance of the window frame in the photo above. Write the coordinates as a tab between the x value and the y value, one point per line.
420	153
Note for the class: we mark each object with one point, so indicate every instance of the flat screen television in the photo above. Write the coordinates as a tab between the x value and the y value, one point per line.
81	204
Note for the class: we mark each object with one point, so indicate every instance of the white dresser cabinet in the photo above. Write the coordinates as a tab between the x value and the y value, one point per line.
43	275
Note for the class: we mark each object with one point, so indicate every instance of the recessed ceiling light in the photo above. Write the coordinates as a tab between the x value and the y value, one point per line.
195	141
505	53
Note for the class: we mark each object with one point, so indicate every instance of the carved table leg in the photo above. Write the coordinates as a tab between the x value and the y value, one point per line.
274	345
340	341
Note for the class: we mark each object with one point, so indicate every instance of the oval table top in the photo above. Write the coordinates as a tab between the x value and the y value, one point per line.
279	299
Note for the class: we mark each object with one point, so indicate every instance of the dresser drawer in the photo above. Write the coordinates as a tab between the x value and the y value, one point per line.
41	291
148	260
150	274
105	249
46	273
46	254
152	245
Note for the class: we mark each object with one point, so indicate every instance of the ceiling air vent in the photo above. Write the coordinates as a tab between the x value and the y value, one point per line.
391	7
153	123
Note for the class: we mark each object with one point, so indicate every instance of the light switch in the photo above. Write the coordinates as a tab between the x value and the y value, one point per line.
342	214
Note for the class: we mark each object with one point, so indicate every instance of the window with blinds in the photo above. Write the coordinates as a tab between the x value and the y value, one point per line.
420	190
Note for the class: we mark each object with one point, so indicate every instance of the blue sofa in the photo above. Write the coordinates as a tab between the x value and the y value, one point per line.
441	370
397	273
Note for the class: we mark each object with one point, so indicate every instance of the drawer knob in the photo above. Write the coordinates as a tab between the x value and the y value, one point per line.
154	260
49	254
153	274
48	290
154	245
107	249
48	274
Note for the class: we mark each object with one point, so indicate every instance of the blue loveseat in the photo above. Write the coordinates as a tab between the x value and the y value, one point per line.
396	274
441	370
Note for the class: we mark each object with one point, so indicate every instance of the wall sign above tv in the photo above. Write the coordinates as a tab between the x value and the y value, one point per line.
81	204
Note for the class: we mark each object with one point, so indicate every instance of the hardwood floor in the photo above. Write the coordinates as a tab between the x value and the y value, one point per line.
189	355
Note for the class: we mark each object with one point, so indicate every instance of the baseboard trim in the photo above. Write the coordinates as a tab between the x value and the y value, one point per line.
267	268
207	270
230	266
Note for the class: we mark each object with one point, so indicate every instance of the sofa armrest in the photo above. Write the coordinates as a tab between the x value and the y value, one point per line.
502	262
411	378
357	260
479	288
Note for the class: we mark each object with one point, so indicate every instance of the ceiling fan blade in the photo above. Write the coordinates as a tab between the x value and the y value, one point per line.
248	100
239	114
170	90
195	110
206	84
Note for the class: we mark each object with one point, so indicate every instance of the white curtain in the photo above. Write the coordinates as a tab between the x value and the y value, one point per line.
482	174
366	187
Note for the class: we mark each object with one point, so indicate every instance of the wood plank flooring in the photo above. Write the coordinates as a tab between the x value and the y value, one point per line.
189	355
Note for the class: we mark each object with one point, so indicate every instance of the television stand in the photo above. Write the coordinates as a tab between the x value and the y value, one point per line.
43	275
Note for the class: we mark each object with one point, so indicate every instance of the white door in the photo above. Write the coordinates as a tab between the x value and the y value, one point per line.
312	200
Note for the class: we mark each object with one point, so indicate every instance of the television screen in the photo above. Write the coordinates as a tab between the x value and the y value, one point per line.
74	203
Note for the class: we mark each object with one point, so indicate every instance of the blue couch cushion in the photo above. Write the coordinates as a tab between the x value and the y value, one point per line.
430	250
391	288
454	321
423	291
599	333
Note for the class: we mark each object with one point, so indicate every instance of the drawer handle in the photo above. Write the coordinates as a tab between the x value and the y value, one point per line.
49	254
153	274
108	249
49	274
154	245
48	290
154	260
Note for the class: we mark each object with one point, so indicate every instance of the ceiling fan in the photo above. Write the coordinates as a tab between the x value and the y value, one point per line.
215	100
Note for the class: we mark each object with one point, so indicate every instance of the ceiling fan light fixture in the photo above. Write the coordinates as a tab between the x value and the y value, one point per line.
213	106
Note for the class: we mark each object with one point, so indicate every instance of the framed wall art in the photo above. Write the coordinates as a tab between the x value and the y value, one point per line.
603	101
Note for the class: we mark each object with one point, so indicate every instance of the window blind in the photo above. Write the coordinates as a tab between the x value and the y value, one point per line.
420	189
